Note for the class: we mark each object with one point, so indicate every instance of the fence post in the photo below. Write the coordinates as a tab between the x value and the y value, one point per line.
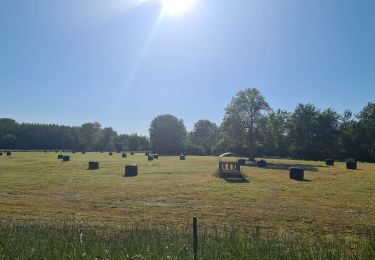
195	235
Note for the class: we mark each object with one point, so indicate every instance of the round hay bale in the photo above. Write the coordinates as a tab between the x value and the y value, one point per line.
131	170
131	153
156	156
1	153
73	151
124	155
93	165
60	156
296	173
110	153
101	151
147	153
182	157
351	165
83	152
241	162
262	163
9	153
330	162
150	157
66	158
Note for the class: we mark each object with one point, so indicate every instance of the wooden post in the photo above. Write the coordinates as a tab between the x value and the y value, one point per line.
195	235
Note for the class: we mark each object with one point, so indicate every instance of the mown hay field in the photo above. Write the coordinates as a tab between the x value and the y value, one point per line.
38	186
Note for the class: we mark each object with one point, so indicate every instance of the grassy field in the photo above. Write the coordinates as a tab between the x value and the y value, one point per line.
39	188
35	186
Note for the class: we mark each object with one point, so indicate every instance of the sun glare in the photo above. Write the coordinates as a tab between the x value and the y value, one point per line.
176	7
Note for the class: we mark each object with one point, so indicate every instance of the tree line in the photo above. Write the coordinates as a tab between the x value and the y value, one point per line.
250	127
87	137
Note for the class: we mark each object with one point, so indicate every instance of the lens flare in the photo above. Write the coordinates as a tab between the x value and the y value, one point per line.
176	7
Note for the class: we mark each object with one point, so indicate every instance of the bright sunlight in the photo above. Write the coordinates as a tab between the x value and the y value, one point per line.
176	7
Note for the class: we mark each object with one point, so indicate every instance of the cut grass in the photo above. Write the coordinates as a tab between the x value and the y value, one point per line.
37	186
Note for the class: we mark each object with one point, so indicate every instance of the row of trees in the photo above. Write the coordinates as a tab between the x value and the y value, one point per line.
88	137
250	127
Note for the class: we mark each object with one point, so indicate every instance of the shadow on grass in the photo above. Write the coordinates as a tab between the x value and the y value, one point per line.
287	166
232	178
304	180
236	180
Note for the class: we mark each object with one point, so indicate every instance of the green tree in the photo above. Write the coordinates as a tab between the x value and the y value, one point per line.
302	132
204	134
243	120
107	139
276	133
364	133
314	134
327	134
167	134
89	135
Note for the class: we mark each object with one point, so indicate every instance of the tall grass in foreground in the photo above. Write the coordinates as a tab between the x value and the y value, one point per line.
77	241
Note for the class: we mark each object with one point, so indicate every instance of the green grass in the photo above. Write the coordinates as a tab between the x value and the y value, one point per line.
73	240
332	201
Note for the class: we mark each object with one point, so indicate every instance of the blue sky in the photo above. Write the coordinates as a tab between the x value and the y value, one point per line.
121	63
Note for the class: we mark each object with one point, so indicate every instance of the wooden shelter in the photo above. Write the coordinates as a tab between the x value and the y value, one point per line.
229	166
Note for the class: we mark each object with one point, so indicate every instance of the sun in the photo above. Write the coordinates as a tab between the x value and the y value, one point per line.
176	7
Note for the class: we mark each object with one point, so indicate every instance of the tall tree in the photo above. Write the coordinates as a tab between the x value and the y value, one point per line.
303	123
314	134
167	133
243	119
327	134
276	133
107	139
364	133
204	134
89	135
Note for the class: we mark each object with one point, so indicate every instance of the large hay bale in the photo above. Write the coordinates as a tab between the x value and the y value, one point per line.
330	162
182	157
60	156
262	163
296	173
93	165
241	162
83	152
156	156
150	157
147	153
9	153
110	153
132	153
131	170
66	158
124	155
351	165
